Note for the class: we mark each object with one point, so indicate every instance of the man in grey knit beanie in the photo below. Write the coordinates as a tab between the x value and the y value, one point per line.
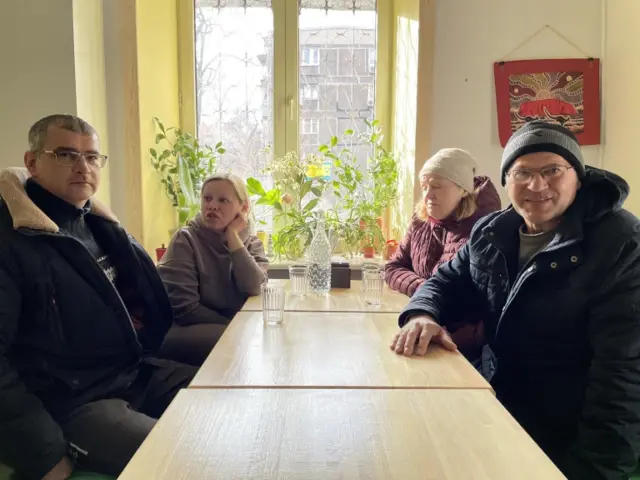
555	279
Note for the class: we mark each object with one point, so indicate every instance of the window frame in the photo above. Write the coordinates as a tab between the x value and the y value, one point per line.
286	71
286	68
313	60
314	126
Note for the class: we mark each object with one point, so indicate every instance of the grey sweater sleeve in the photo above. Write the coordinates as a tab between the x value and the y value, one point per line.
180	276
249	266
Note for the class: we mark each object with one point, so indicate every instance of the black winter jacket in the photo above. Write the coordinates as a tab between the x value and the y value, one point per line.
66	337
564	331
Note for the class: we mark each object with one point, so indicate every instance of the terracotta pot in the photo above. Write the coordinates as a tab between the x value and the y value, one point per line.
160	252
368	252
376	245
390	249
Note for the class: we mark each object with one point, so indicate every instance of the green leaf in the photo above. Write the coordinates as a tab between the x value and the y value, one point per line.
159	137
264	201
218	145
348	132
317	191
323	148
311	205
186	182
334	141
305	188
153	152
254	186
221	151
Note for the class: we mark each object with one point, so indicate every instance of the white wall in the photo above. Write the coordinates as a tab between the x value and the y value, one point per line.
470	36
621	95
37	75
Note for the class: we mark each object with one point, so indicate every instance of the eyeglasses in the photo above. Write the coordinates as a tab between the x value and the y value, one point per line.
550	173
67	158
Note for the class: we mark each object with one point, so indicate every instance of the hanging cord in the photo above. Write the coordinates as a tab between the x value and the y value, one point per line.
538	32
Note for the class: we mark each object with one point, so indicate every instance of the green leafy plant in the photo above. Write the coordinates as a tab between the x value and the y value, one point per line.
361	195
293	198
362	198
183	163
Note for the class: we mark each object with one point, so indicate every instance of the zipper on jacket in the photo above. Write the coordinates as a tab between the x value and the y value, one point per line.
56	311
32	233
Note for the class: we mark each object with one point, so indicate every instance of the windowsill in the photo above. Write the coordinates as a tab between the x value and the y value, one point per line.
280	269
354	263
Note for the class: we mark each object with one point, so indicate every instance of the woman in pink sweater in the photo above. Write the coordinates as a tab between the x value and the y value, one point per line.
210	269
454	200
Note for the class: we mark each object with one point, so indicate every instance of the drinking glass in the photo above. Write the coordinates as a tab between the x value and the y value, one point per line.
373	284
273	296
368	267
299	278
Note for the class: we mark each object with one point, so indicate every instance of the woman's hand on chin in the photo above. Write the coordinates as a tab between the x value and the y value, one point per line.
236	225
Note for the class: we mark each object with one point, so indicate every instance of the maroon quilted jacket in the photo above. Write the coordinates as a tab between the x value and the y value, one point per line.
427	245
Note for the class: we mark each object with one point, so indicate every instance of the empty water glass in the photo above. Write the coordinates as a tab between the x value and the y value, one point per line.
368	267
373	282
273	296
299	278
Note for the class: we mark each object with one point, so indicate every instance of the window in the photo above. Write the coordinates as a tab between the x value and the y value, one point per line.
371	95
308	92
253	90
309	57
310	125
234	80
345	33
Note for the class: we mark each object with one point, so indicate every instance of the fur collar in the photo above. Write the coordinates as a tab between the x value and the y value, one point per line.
25	213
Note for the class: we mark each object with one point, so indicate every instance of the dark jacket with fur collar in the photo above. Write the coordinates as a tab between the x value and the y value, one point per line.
565	330
66	337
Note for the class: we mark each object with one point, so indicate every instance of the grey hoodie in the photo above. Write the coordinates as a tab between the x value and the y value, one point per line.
206	282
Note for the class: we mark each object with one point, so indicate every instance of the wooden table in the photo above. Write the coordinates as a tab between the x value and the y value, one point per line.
321	349
338	300
338	434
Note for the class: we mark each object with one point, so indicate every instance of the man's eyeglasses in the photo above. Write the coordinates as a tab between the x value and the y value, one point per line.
67	158
550	173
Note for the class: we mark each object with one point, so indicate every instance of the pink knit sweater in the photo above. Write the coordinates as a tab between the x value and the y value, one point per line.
427	245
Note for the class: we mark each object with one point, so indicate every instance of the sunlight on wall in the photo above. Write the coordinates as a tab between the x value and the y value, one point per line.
90	77
404	108
621	97
158	95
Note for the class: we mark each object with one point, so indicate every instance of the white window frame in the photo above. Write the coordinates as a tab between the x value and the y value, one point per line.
309	92
310	57
371	60
310	126
371	95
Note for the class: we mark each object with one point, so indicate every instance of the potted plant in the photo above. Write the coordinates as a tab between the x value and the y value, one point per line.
362	198
293	199
183	163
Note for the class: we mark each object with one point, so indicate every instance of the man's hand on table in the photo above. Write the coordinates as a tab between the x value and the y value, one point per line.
418	333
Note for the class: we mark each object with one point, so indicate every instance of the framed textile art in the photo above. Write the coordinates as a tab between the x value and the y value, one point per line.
562	91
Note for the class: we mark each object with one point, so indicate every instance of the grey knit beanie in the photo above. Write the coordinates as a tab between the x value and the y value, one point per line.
539	136
453	164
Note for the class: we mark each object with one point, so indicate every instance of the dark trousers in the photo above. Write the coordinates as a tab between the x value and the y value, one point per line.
105	434
191	344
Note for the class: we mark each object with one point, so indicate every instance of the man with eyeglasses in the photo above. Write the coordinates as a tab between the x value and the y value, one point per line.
82	313
556	277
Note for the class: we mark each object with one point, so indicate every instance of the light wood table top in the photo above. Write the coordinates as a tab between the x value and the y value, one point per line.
324	349
338	300
338	434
